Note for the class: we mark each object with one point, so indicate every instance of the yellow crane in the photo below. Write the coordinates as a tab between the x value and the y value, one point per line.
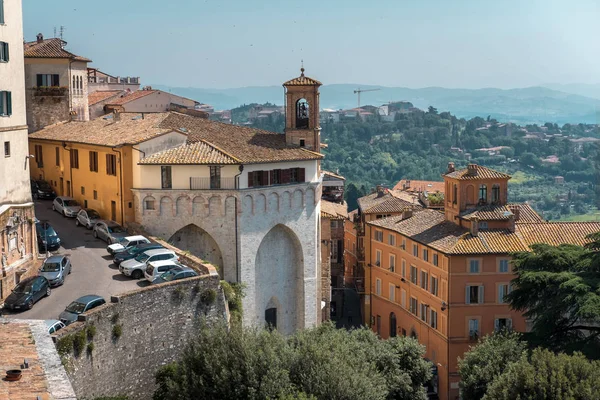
359	91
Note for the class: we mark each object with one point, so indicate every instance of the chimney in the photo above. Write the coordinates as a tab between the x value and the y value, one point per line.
40	38
407	212
472	169
116	115
475	226
512	226
380	191
408	183
450	167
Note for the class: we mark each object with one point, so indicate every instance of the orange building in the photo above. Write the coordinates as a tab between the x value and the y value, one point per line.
441	277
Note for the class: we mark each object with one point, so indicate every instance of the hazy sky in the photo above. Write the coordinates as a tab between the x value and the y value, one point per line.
417	43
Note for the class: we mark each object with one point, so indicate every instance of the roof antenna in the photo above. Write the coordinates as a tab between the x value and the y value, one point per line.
302	68
62	31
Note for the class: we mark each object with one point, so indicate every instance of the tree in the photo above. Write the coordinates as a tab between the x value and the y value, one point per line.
352	194
432	110
320	363
486	361
547	376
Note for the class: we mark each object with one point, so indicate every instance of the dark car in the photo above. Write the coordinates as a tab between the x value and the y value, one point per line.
27	293
47	237
134	251
175	274
79	306
56	269
42	190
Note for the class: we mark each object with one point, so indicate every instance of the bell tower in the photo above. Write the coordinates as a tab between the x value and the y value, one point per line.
302	112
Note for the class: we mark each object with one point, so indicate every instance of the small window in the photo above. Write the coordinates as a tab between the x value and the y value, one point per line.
424	280
473	266
425	255
392	289
379	236
74	158
302	143
424	312
95	195
392	263
473	328
502	324
415	250
435	259
48	80
392	239
57	156
403	244
403	298
276	177
403	268
503	266
149	204
94	161
5	104
3	49
434	285
474	294
433	319
482	193
414	306
378	258
6	149
111	164
83	190
165	174
495	193
378	287
413	274
503	290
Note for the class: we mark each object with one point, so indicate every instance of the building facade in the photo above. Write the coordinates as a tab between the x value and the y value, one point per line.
18	248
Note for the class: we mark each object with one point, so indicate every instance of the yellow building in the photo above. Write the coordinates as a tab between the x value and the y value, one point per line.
95	161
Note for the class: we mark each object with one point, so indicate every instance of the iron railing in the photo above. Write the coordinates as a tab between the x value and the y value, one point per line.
197	183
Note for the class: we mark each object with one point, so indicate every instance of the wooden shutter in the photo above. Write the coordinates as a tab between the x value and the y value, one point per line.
265	178
271	176
8	103
301	174
285	176
39	80
250	179
467	299
55	80
481	298
108	165
1	11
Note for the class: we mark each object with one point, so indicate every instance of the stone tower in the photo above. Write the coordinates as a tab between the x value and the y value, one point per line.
302	112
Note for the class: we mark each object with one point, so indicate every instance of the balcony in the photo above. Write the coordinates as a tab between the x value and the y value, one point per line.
50	91
197	183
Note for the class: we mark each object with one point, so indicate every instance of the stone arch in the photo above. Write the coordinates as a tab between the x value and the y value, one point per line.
279	269
393	325
310	197
248	204
148	198
166	206
298	199
273	204
198	206
302	113
198	242
215	206
182	206
260	206
470	194
230	205
136	205
286	200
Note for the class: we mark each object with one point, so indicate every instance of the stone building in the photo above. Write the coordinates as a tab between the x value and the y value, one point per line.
56	83
147	100
17	232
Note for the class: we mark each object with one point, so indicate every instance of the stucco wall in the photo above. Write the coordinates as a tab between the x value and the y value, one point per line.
156	102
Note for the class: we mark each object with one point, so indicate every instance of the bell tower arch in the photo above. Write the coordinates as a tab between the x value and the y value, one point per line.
302	112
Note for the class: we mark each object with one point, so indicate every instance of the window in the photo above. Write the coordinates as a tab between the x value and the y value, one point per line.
165	177
425	254
57	156
403	298
94	161
503	290
294	175
433	319
474	294
215	177
403	268
435	260
95	195
275	177
424	312
503	265
3	51
5	104
1	11
39	155
434	285
74	158
403	244
149	204
392	292
414	306
334	224
82	190
392	239
502	323
455	195
302	143
413	274
379	236
473	328
392	263
495	193
483	193
473	266
415	250
378	287
111	164
6	149
378	258
47	80
424	280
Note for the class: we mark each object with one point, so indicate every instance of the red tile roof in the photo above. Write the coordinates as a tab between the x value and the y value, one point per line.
302	81
480	172
126	98
50	48
419	186
332	210
101	95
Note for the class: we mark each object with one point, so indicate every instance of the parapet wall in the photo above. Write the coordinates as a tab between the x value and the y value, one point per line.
130	338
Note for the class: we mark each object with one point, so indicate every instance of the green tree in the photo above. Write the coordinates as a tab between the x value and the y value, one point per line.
486	361
322	363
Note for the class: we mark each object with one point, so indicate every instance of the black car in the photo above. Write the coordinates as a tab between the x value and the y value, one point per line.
47	237
42	190
27	293
133	252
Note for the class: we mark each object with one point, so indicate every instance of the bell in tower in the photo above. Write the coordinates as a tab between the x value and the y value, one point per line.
302	112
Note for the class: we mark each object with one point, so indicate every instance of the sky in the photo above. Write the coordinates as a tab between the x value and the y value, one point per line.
418	43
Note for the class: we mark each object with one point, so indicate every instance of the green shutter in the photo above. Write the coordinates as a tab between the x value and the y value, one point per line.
1	102
8	103
6	51
1	11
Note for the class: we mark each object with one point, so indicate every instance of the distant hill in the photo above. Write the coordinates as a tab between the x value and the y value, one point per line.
526	105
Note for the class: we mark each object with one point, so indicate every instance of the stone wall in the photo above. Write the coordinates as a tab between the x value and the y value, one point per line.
45	109
137	333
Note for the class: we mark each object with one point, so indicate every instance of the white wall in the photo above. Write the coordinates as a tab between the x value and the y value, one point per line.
156	102
151	146
310	167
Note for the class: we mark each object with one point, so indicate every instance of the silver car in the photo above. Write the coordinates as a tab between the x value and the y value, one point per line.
109	231
54	325
56	269
87	217
67	206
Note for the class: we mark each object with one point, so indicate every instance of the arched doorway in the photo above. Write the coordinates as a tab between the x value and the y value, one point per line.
302	114
198	242
279	274
393	325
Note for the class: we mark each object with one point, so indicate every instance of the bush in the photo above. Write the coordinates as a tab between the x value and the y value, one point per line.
79	341
209	296
91	332
90	348
64	345
234	294
117	331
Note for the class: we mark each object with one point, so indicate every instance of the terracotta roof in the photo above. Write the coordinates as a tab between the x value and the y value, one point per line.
420	186
101	95
302	81
50	48
131	129
555	233
334	210
526	213
126	98
334	175
392	201
481	172
488	213
494	241
200	152
248	145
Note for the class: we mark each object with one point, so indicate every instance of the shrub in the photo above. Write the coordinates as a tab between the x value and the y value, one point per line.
79	341
117	331
115	318
90	348
91	332
64	345
209	296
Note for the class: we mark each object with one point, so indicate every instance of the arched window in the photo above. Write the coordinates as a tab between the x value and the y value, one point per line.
271	318
496	193
302	114
455	194
393	327
482	193
74	84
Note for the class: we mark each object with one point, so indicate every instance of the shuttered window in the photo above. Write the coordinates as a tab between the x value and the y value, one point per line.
5	104
111	164
94	161
3	52
1	11
74	158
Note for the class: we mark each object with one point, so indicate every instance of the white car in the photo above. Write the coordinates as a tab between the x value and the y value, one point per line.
155	269
67	206
136	266
126	243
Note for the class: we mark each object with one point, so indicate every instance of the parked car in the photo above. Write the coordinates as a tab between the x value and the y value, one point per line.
27	293
155	269
87	217
56	269
47	237
67	206
79	306
134	251
175	274
42	190
109	231
136	266
54	325
127	242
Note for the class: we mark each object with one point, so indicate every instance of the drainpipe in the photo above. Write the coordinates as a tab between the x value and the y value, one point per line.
121	183
70	168
236	181
69	86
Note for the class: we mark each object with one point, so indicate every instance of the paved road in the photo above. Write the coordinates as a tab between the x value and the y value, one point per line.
93	270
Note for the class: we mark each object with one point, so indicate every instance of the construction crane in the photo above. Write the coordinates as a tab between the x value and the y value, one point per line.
359	91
